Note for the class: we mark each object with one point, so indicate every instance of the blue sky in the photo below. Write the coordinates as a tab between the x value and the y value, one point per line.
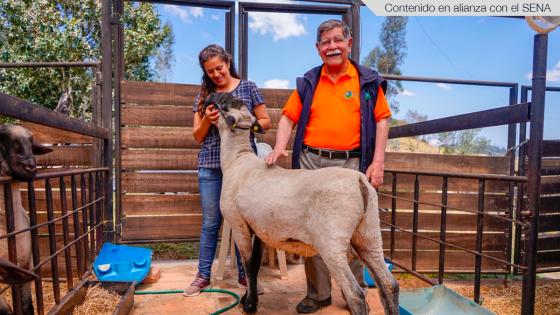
281	47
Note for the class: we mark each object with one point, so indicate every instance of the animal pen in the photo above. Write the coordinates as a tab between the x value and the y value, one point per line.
501	212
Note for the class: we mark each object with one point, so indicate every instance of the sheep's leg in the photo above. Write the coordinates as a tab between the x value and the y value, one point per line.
4	307
26	299
253	266
369	248
337	263
250	257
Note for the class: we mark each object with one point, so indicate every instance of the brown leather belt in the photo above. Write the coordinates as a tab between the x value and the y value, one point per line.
334	154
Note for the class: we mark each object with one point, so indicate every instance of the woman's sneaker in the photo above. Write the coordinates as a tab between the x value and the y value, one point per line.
199	283
242	284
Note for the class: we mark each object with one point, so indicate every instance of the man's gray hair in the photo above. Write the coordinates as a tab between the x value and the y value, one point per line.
329	25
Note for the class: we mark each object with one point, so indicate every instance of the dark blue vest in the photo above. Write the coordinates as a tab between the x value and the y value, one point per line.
369	84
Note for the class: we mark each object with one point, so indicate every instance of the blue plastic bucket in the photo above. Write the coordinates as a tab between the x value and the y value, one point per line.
122	263
368	277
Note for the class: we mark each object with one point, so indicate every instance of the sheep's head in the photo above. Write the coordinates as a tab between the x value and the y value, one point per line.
234	113
16	151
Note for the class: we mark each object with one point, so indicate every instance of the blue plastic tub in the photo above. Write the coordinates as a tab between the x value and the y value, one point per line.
122	263
438	300
368	277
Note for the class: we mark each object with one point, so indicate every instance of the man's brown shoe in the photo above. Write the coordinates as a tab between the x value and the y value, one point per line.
309	305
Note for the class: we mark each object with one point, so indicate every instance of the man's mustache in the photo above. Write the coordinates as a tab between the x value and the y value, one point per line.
334	52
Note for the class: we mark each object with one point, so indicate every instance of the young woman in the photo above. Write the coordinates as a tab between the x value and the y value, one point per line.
219	76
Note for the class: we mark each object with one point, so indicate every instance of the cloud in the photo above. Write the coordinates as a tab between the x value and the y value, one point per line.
407	93
280	25
552	75
444	86
215	17
277	84
184	13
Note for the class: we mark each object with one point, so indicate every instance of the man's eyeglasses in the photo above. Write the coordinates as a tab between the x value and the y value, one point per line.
336	41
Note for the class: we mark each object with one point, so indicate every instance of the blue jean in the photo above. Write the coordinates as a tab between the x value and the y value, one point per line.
210	187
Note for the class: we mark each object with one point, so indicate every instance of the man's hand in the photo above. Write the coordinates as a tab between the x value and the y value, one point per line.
374	173
275	155
211	114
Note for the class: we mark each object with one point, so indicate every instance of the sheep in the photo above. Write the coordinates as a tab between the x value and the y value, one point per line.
330	211
16	160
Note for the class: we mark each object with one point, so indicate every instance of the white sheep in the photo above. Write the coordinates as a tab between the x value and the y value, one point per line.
16	158
327	211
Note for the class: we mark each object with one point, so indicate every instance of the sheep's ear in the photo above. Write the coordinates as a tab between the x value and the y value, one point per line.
213	98
12	274
256	127
39	149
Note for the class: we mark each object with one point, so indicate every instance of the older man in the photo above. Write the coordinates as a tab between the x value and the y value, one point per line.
342	119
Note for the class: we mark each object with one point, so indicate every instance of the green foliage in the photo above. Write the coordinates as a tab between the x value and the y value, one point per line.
70	30
388	57
167	251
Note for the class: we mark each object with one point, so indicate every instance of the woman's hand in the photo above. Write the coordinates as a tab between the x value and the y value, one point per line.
211	114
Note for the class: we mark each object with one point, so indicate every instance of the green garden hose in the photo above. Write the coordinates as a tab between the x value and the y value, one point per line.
220	311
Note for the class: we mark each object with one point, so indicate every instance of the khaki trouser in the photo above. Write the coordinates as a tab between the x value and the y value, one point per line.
316	272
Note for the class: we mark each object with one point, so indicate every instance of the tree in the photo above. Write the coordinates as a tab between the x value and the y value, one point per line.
412	117
388	57
70	30
165	58
464	142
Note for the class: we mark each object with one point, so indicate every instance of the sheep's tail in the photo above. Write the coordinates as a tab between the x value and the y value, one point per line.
369	195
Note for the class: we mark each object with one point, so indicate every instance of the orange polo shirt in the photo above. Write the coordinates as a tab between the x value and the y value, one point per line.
334	121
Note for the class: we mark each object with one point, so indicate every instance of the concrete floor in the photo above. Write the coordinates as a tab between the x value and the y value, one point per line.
280	297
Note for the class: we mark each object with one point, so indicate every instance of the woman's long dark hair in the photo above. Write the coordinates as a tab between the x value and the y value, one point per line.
208	86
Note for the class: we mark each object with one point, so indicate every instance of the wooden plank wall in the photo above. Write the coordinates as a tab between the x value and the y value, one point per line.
548	248
70	150
161	201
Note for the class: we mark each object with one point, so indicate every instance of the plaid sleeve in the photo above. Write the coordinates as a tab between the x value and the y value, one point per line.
195	105
256	95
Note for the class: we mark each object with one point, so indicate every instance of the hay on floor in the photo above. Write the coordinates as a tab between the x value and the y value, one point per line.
98	301
504	300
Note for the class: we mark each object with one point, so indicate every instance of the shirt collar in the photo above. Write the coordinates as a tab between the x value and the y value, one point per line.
351	71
